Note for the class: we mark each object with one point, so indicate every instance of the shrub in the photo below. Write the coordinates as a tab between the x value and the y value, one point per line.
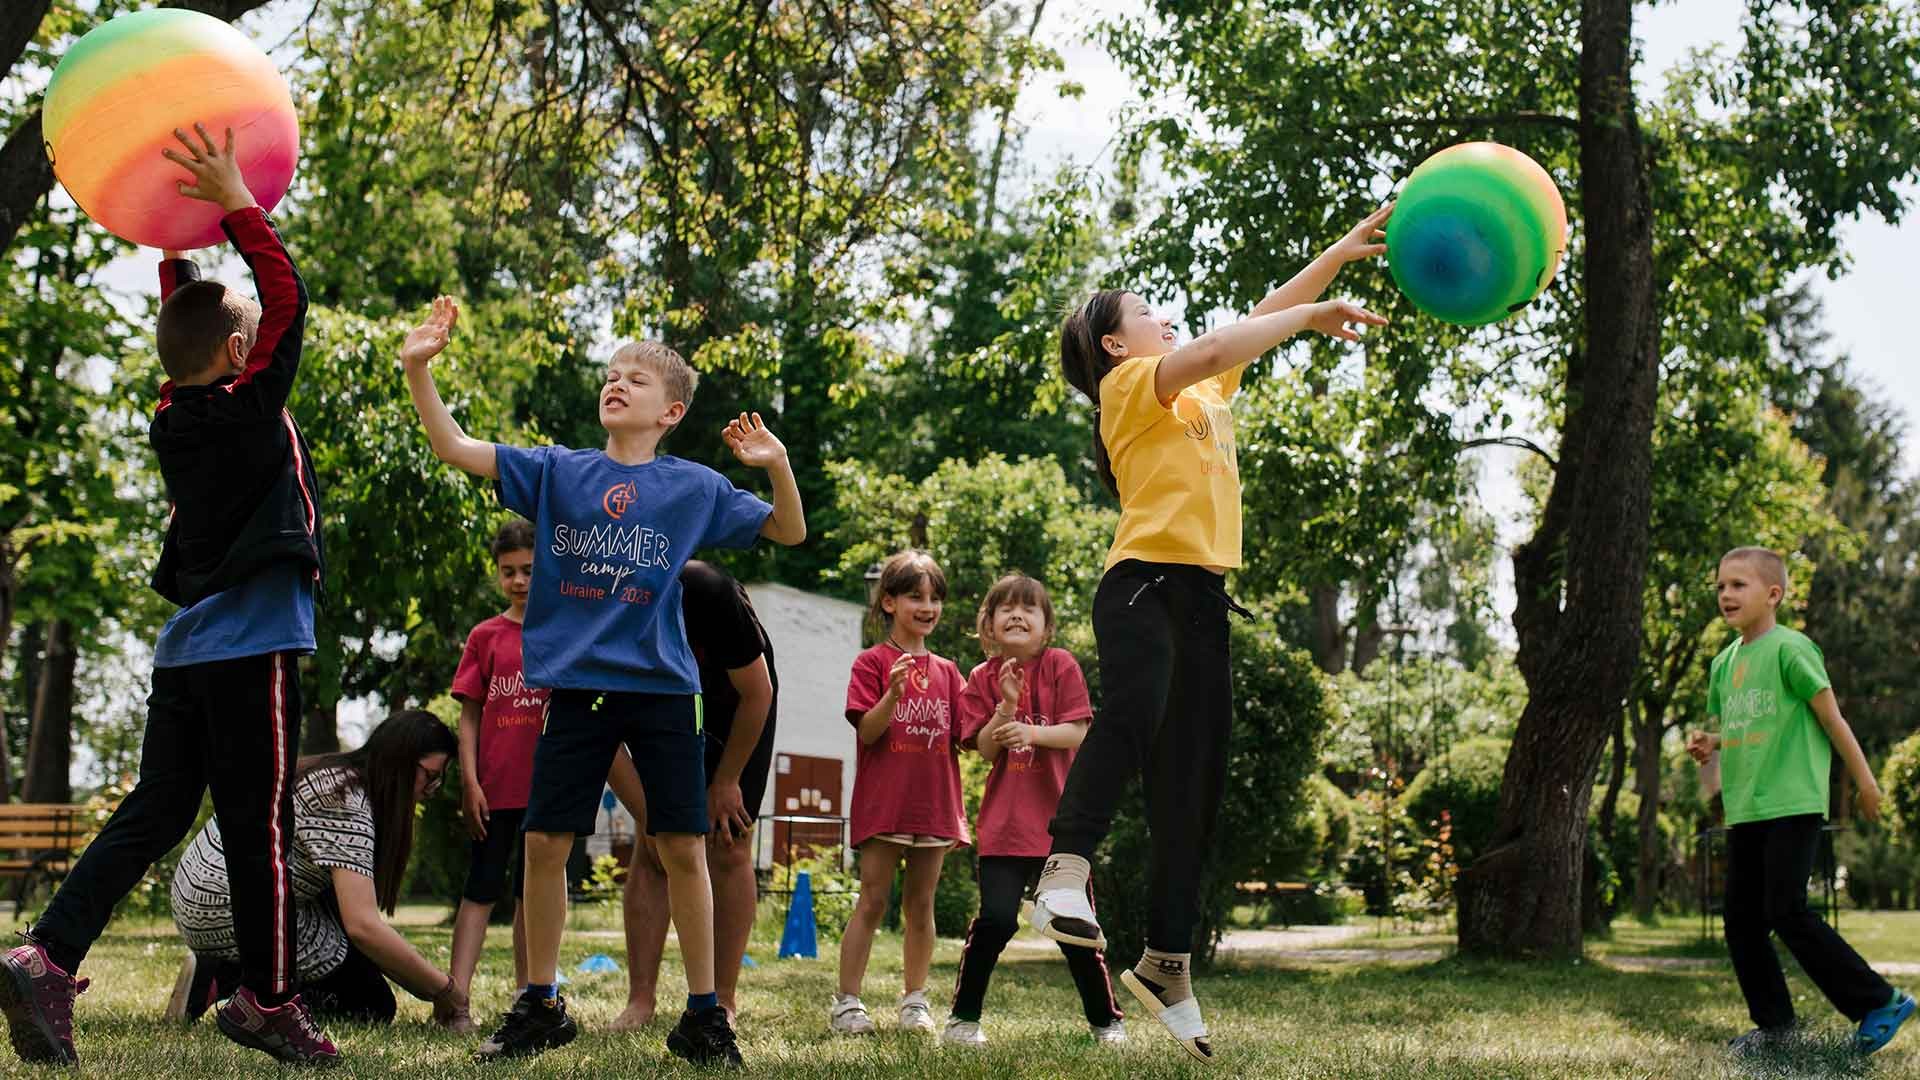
1283	707
1464	782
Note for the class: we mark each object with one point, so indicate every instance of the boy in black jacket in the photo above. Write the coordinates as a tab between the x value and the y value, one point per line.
242	559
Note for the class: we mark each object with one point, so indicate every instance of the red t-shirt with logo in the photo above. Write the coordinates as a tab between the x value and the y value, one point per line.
907	780
511	712
1024	787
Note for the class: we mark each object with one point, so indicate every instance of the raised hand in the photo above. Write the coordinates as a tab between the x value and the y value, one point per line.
216	175
1336	318
1366	239
425	341
897	675
1013	676
753	443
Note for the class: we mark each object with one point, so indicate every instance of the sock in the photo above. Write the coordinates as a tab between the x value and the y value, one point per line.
1895	999
701	1002
1165	973
1064	871
543	991
272	1000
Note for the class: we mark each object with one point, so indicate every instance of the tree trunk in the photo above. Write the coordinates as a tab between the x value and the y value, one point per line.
320	729
50	747
1329	633
1367	639
1647	734
1579	578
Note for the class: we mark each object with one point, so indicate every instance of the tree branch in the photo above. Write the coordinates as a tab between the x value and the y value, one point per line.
1505	119
1517	443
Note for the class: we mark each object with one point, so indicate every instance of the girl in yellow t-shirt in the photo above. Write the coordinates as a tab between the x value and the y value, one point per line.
1164	445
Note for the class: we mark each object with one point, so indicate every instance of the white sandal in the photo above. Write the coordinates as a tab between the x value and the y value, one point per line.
1181	1019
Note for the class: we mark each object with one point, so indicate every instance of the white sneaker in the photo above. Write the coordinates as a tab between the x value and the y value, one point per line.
963	1033
1113	1034
915	1013
849	1017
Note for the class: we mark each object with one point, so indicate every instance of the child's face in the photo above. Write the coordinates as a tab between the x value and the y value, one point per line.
633	398
916	612
1019	629
1746	598
516	575
1142	331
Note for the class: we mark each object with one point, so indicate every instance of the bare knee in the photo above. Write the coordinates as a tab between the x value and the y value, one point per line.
680	853
547	851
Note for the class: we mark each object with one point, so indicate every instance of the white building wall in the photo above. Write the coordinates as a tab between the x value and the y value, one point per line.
815	639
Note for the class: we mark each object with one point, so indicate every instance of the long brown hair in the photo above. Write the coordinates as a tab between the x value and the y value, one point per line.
1085	362
901	574
384	768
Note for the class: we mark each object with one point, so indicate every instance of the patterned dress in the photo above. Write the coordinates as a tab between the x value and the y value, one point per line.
332	828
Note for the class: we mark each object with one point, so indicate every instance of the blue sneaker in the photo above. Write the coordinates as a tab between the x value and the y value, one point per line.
1882	1024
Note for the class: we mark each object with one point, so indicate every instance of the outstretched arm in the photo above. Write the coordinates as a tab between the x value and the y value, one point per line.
754	444
1363	241
450	443
274	359
1230	346
382	944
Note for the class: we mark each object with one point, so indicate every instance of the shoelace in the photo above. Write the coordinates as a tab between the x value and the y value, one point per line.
63	1025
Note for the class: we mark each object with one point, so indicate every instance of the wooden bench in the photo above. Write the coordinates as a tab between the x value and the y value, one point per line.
37	844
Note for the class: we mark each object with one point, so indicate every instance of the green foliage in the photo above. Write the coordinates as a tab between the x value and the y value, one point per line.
835	889
978	520
403	586
1900	785
1463	783
1283	707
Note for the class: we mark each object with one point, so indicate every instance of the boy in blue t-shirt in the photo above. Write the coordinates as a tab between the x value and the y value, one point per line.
603	631
1779	727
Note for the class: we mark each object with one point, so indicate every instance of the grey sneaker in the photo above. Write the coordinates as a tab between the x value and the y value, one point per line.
960	1032
915	1013
848	1017
1113	1034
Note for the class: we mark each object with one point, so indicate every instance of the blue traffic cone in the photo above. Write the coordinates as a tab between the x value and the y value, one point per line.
801	936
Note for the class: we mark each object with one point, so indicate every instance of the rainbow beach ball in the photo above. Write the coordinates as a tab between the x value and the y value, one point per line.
1476	234
120	91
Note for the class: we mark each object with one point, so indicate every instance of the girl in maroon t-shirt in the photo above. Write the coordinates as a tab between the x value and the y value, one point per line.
903	702
1025	709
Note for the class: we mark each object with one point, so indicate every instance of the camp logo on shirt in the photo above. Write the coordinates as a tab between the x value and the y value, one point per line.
618	498
1740	675
513	686
614	553
1206	422
920	718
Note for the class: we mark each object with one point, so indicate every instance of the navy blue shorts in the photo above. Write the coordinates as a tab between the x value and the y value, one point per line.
576	748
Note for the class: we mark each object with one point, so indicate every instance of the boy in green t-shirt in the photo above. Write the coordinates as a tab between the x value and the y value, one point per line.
1778	728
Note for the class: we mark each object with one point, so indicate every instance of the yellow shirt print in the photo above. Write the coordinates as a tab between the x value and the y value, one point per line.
1176	465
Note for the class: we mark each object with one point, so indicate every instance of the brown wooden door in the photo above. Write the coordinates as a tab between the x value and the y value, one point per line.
808	786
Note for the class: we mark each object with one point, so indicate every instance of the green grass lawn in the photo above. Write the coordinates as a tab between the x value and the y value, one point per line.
1444	1020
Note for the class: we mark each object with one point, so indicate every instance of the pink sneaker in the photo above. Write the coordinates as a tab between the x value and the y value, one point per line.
287	1033
37	998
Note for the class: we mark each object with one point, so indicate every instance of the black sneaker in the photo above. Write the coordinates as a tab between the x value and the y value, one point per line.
535	1025
705	1038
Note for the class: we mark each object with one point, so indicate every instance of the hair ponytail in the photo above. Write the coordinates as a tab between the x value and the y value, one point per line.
1084	363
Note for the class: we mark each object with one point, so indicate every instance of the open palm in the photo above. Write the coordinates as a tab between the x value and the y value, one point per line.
752	442
425	341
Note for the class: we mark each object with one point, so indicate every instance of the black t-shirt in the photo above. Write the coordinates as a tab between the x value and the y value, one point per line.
725	636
